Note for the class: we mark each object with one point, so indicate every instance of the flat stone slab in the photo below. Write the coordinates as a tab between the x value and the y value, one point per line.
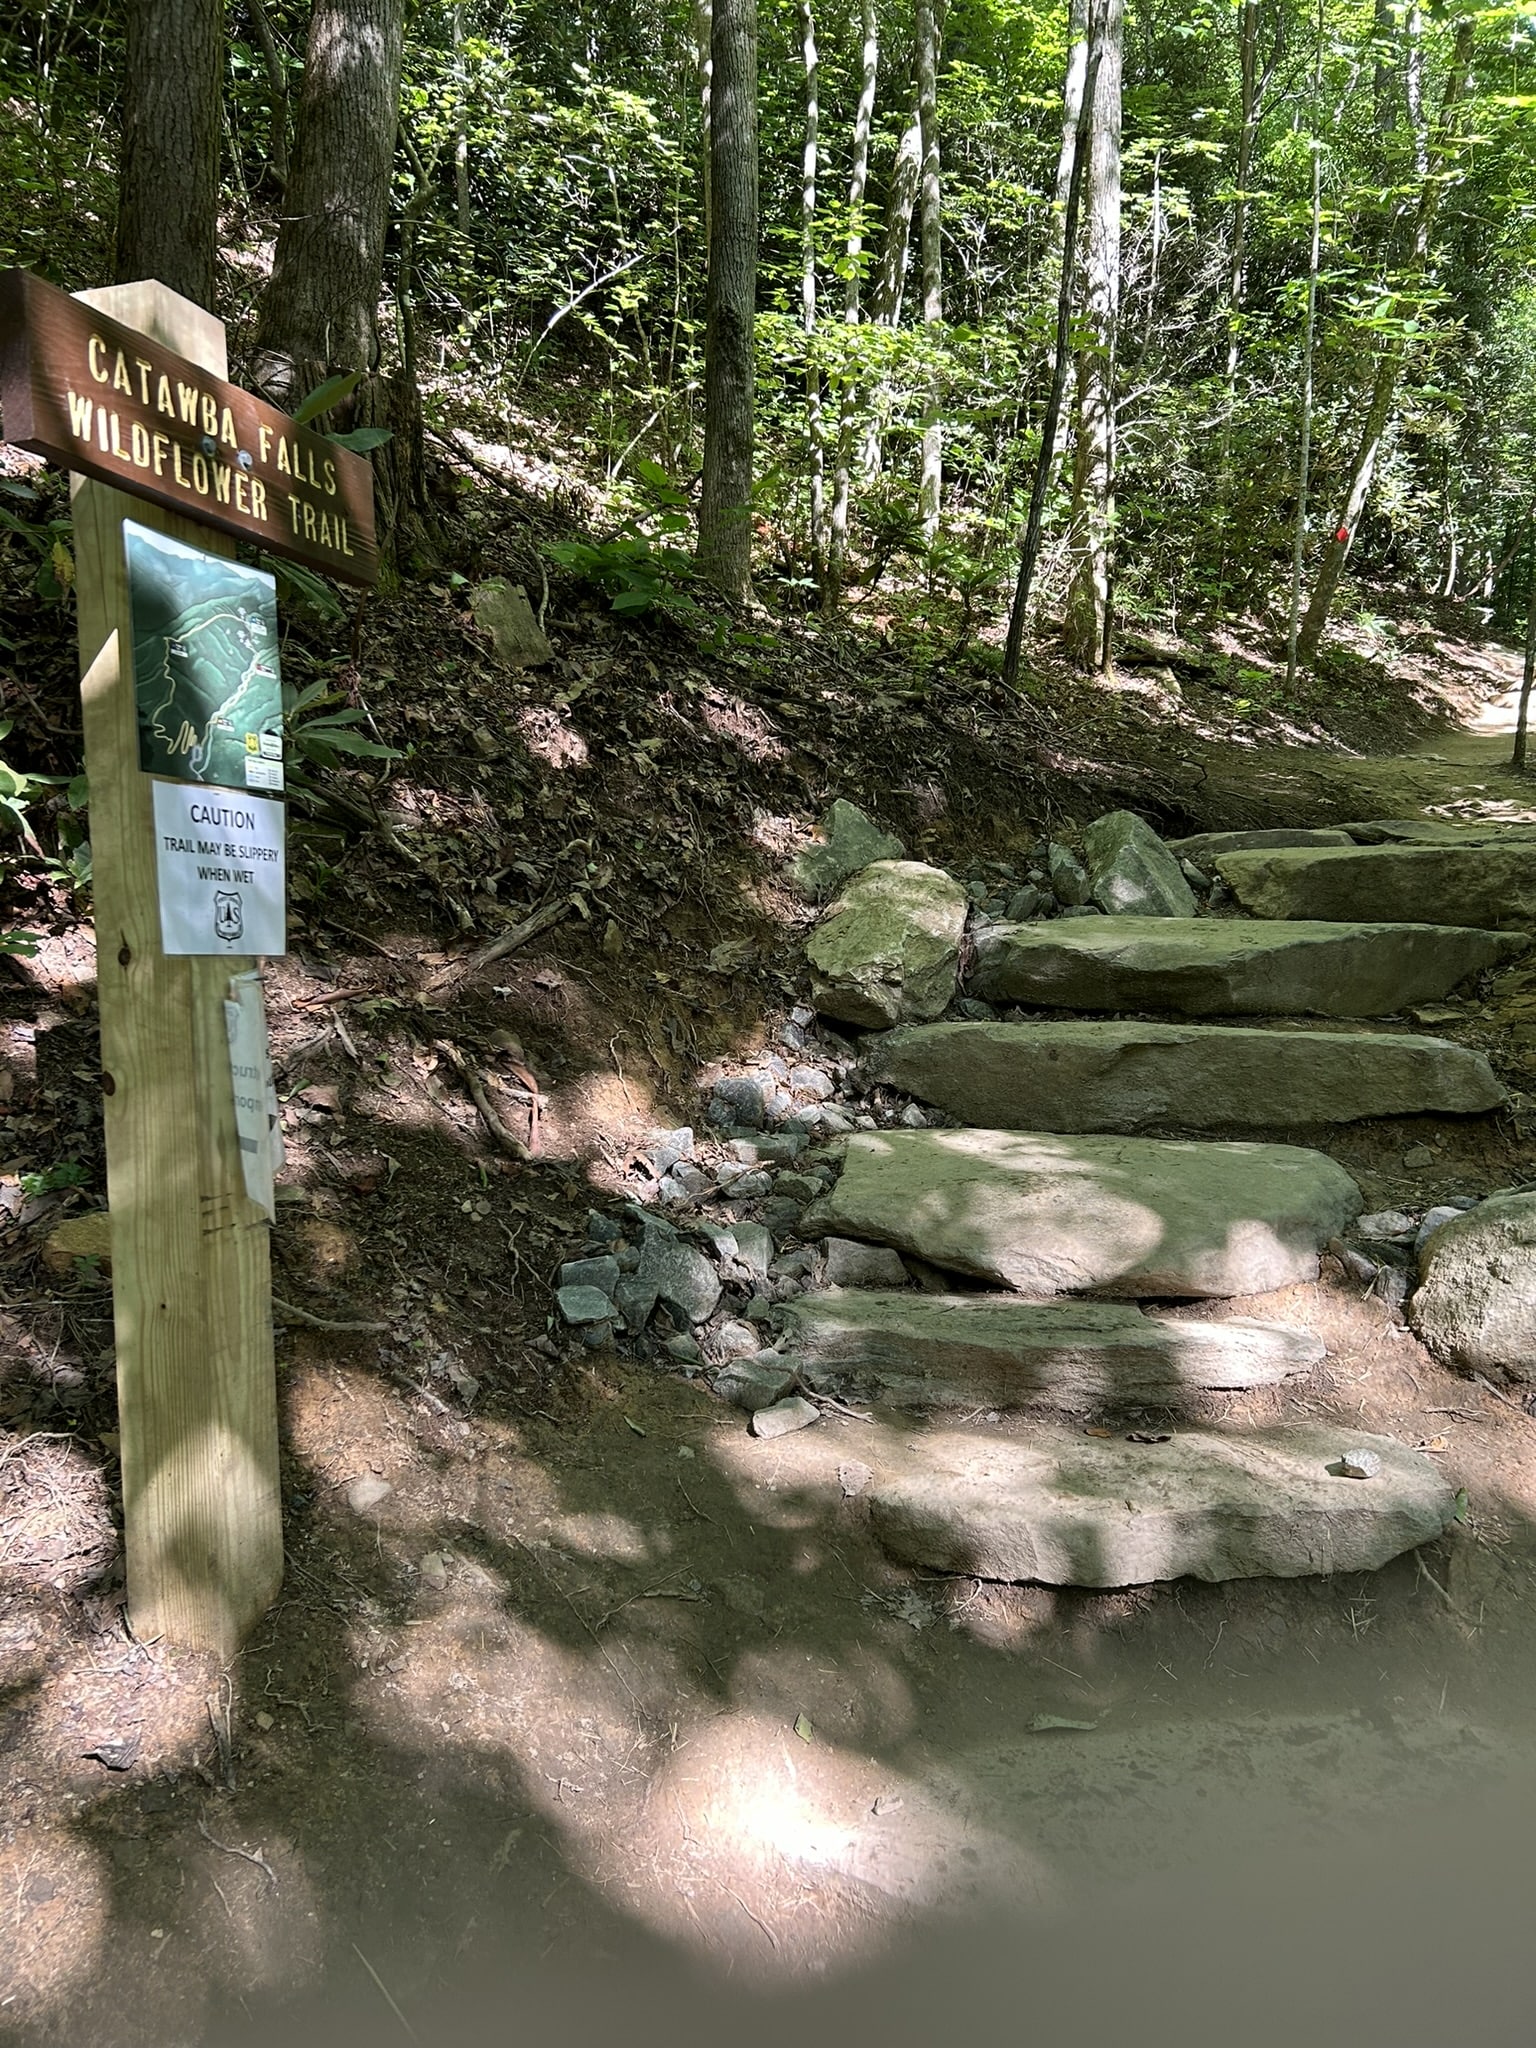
1227	967
1437	831
1185	1077
1123	1217
1200	847
1059	1508
994	1351
1484	884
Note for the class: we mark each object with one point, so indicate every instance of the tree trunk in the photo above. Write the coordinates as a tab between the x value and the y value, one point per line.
277	92
1237	253
814	424
703	67
900	202
725	500
168	176
1093	504
929	30
321	310
1389	362
1045	461
460	127
858	186
1308	349
1522	722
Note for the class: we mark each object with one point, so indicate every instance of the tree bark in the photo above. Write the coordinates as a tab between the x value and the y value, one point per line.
929	31
1523	720
168	168
858	186
1045	463
703	69
725	500
1308	350
900	203
1093	504
814	423
321	310
461	194
277	92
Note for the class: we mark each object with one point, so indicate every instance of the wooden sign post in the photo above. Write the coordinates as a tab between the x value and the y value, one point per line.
191	1284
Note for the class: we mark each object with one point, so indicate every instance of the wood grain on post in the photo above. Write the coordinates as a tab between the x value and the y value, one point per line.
191	1282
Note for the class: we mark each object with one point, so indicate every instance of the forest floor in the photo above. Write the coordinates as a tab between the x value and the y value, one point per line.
606	1693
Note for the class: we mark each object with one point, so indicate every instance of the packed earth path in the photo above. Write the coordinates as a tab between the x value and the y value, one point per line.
841	1539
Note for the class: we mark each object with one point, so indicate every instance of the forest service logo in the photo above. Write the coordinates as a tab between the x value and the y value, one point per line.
228	915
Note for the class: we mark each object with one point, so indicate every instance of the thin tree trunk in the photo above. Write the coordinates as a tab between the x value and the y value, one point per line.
1237	253
460	127
277	91
1071	124
815	426
901	200
858	186
703	68
1093	503
1308	346
1522	722
1389	363
929	30
1045	461
725	501
168	169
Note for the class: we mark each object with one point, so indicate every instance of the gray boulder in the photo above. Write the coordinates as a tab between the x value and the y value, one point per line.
1061	1509
1068	877
1189	1077
846	841
752	1383
888	950
1127	1217
1227	967
502	610
685	1281
1133	873
1475	1306
849	1264
995	1351
1489	885
1436	832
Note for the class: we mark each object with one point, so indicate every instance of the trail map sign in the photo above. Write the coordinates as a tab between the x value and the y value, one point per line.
83	389
205	665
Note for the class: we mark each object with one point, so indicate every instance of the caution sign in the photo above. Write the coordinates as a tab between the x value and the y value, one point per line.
219	860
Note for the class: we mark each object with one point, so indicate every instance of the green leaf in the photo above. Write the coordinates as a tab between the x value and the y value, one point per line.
325	395
22	945
361	439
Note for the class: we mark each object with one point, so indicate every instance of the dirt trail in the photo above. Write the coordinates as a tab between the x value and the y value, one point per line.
602	1681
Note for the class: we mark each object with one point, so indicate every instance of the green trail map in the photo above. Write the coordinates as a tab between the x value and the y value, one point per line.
205	665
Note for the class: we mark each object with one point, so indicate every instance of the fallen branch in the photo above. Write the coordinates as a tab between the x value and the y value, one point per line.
245	1855
509	942
470	1076
314	1322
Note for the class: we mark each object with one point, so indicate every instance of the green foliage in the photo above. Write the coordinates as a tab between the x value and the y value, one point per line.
321	735
52	1180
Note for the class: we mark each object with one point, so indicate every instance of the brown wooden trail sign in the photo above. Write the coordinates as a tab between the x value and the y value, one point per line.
192	1304
114	403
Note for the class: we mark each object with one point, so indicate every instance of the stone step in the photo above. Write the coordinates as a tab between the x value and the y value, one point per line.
1438	832
1185	1077
1201	847
1059	1508
1121	1217
994	1351
1488	885
1228	967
